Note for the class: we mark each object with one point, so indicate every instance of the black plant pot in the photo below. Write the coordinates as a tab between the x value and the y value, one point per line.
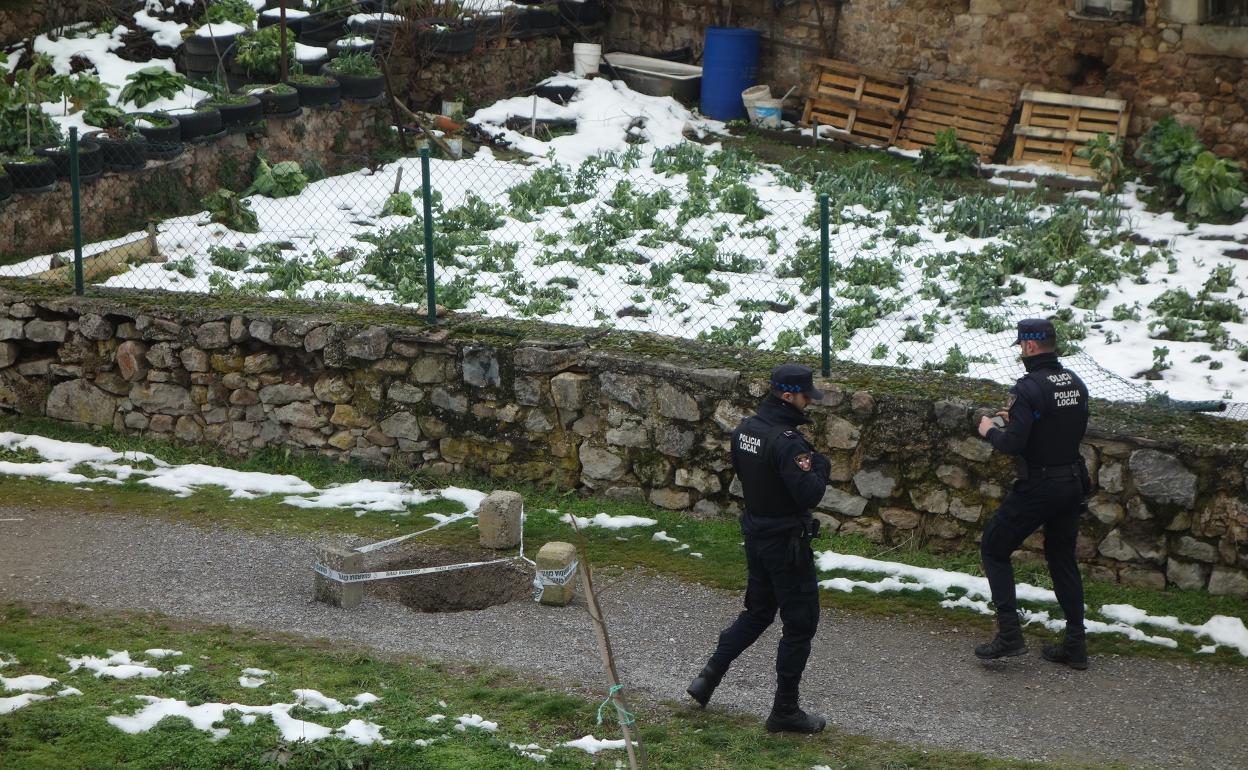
535	22
197	64
235	115
375	28
358	88
320	28
6	187
128	154
208	46
317	95
582	13
277	104
336	47
164	150
38	176
199	124
90	160
158	134
293	25
314	67
439	37
494	26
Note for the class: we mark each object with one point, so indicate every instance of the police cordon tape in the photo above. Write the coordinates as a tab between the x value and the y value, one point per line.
361	577
552	577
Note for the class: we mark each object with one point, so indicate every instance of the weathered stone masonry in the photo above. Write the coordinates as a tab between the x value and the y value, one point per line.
620	425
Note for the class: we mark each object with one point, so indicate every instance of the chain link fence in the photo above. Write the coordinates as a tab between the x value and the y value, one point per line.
846	262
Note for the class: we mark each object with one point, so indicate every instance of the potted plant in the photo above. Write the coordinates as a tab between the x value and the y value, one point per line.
29	172
258	56
237	110
162	132
90	159
101	114
201	123
23	127
328	21
277	100
316	90
357	75
123	147
441	37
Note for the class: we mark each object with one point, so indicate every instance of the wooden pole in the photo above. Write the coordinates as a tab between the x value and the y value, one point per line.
636	755
282	73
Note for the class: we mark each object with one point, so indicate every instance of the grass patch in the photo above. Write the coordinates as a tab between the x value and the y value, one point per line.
722	564
72	732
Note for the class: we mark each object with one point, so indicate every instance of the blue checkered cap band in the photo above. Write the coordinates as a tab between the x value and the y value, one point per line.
787	388
1033	335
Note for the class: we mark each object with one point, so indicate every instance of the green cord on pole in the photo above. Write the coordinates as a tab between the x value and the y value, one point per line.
431	291
825	309
622	714
76	209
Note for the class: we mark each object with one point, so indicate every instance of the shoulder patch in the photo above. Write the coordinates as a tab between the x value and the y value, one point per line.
803	461
790	433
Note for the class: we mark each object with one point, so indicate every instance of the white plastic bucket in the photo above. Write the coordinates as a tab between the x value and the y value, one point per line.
456	146
450	108
585	58
767	113
751	96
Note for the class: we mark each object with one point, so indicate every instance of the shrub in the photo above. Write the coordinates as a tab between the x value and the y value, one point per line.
1166	147
948	157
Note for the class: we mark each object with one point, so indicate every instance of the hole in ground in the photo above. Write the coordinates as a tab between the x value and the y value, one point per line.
474	588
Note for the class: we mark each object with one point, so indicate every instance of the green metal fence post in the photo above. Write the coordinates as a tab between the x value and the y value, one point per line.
427	191
75	208
825	302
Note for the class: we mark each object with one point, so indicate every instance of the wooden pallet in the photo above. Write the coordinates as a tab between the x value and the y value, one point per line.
862	104
977	115
1054	126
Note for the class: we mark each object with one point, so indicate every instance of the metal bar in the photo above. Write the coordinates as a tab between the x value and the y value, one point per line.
825	302
427	192
282	73
75	208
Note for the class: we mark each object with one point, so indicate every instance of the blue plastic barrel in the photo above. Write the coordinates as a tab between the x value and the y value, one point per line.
729	66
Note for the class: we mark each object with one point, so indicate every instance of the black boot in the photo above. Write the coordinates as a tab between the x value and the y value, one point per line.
1007	643
1073	651
787	717
704	684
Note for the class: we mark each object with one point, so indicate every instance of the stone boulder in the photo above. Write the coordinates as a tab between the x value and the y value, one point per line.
1162	478
499	520
80	401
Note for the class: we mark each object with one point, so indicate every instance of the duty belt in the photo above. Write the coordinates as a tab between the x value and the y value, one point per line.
1027	471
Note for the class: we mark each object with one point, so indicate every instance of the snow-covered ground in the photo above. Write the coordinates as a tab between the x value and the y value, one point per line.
620	238
78	463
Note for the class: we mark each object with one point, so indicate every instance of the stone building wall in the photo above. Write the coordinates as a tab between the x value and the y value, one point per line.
117	203
1161	66
493	71
625	427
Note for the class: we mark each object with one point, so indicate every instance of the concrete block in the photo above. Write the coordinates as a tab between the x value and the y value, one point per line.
556	573
332	592
498	520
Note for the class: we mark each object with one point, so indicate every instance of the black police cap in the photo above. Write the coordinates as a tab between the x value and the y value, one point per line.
1036	329
795	378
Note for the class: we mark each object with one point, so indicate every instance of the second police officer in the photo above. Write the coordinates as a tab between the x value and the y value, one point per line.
1045	420
782	478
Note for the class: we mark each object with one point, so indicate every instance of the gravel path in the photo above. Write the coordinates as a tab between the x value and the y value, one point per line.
904	679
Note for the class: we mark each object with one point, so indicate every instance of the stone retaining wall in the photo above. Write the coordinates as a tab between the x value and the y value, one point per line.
20	19
117	203
1158	62
622	426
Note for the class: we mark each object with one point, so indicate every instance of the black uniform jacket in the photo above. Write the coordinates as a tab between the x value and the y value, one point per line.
1048	415
782	476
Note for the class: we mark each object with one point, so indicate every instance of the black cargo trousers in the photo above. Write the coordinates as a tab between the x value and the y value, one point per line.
1055	505
781	578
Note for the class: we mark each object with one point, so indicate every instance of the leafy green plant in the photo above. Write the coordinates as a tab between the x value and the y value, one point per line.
358	64
260	54
948	157
1164	148
1104	155
224	207
101	114
184	266
399	204
24	125
77	90
1213	189
227	258
151	83
740	334
237	11
280	180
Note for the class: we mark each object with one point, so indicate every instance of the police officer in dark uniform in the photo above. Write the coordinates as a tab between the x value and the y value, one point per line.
1043	424
782	478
